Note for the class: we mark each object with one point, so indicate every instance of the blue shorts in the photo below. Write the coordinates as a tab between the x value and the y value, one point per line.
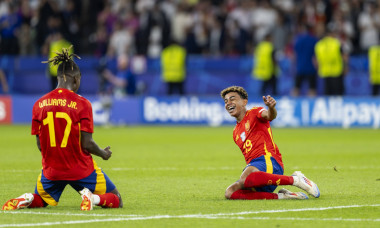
50	191
269	165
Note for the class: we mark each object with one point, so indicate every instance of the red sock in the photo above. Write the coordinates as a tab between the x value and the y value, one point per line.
261	179
250	195
37	202
109	200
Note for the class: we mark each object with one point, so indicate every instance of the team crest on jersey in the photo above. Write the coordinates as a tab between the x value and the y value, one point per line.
247	126
242	136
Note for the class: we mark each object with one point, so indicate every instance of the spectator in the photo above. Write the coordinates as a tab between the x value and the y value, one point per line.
173	67
55	42
107	18
123	80
265	66
345	30
215	38
89	22
280	33
26	39
144	28
159	31
47	12
181	23
121	41
304	54
4	8
201	29
369	24
353	12
331	63
70	18
99	40
239	26
25	34
9	25
229	27
306	12
153	33
374	69
191	44
263	19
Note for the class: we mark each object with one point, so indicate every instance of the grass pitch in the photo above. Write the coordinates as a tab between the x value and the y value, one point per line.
176	177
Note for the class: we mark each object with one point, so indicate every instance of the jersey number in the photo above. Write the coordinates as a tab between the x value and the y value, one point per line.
247	146
49	120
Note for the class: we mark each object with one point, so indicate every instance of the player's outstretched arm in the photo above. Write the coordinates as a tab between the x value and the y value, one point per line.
90	145
271	113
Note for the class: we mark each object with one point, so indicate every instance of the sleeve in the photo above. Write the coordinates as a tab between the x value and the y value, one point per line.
36	122
258	111
86	118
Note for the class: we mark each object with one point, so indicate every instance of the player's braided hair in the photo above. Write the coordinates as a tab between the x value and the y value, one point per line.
65	62
240	90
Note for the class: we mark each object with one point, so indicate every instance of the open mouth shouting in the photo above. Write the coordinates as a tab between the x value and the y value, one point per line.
231	109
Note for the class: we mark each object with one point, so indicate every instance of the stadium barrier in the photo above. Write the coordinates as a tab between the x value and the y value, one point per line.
205	76
342	112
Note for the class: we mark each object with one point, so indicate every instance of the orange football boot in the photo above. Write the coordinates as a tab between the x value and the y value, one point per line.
87	200
20	202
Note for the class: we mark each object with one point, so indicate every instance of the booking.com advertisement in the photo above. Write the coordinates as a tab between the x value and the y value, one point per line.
292	112
342	112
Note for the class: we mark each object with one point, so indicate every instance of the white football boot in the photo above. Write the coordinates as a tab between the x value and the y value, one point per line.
286	194
305	184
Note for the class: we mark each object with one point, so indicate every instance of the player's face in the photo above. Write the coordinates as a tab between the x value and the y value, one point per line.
234	104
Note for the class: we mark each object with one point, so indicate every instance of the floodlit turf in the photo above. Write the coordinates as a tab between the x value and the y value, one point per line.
176	177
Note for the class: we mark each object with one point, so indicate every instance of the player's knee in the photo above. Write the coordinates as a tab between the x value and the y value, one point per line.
120	201
117	194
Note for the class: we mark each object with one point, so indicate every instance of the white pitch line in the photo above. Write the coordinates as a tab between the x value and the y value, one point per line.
196	216
294	210
180	216
219	214
69	214
304	219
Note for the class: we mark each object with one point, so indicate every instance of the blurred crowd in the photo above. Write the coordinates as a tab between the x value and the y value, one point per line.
267	29
208	27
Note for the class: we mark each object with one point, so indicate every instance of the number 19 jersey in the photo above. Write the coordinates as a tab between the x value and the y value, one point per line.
253	136
58	119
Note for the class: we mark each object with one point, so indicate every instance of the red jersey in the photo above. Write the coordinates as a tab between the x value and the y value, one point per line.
58	119
253	136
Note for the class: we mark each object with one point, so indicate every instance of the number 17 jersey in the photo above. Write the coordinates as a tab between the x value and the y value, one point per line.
58	119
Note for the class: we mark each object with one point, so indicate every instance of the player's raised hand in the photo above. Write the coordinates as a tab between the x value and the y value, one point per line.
269	101
107	153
